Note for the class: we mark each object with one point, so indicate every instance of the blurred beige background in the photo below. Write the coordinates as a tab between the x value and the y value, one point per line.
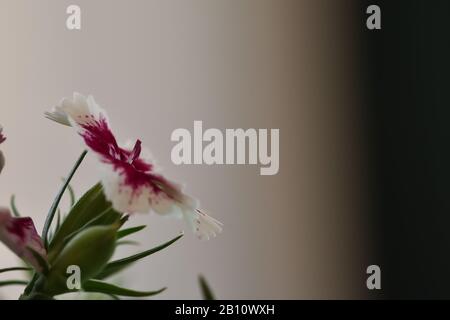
158	65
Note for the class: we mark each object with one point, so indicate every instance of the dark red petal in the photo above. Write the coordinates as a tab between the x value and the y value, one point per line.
19	234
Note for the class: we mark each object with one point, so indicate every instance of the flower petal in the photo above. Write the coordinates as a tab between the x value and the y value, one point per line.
131	191
203	225
19	234
2	137
83	110
76	111
58	115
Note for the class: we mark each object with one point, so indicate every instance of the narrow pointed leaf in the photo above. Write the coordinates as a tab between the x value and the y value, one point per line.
13	283
54	207
71	195
30	285
14	207
124	219
58	221
118	265
127	243
14	269
205	288
103	287
126	232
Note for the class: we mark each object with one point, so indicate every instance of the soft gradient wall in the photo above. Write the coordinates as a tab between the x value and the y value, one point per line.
158	65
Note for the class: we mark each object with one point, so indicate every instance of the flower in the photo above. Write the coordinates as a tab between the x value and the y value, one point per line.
2	157
130	180
20	235
78	108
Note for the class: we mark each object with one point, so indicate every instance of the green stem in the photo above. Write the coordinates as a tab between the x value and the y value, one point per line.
54	207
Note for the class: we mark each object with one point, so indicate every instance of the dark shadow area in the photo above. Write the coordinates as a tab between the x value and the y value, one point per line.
407	66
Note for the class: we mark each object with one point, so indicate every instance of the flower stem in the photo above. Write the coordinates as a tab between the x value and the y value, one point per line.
54	207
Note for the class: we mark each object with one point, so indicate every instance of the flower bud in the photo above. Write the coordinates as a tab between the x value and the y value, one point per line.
90	251
89	207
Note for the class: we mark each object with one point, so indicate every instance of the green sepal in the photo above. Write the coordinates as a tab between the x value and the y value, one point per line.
126	232
90	250
89	207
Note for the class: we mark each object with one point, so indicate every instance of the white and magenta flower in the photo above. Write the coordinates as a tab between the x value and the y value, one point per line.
130	181
2	157
20	235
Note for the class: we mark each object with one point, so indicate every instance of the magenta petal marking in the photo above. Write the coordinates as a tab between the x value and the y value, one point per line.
135	172
136	151
101	140
19	234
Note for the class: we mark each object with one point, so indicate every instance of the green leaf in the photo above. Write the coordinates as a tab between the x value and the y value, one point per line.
205	288
58	221
124	219
54	207
126	232
14	269
89	207
13	206
127	242
103	287
106	218
13	283
118	265
90	250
